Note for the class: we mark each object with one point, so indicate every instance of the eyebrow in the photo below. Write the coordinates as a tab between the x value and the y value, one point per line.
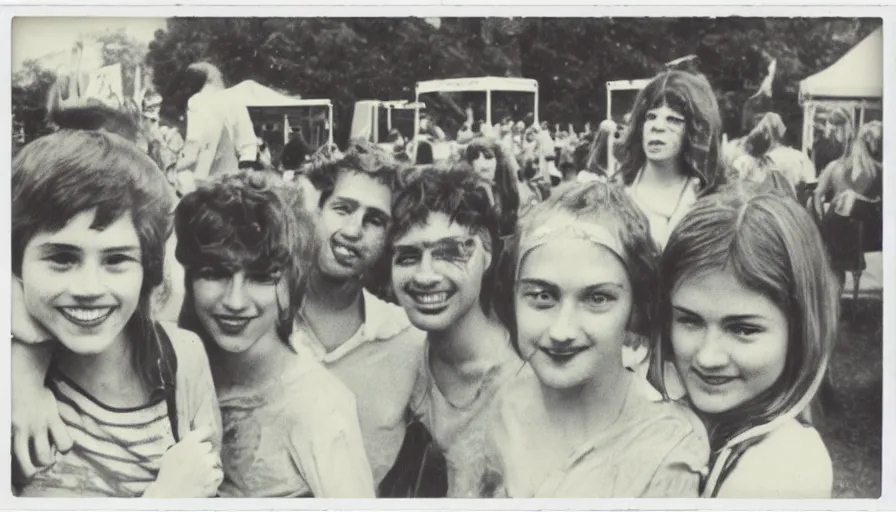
56	246
727	318
538	282
354	203
426	244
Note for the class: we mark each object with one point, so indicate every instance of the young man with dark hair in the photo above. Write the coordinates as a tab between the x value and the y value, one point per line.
445	247
368	343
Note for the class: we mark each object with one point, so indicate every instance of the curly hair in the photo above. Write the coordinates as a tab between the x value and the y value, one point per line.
604	204
244	221
457	191
693	97
361	157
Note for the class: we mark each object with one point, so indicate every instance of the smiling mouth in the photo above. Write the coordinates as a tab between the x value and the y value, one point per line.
345	255
233	325
713	380
656	143
87	317
562	355
431	302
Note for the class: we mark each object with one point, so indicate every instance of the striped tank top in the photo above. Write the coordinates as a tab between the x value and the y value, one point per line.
116	452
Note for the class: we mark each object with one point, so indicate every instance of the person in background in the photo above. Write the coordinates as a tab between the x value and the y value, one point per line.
220	135
672	154
295	152
747	316
838	135
765	153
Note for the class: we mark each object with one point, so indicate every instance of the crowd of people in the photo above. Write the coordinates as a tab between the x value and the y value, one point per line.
525	318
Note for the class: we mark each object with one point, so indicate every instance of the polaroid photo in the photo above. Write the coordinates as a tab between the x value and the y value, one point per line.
449	257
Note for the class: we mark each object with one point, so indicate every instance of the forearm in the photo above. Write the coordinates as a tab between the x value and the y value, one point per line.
30	363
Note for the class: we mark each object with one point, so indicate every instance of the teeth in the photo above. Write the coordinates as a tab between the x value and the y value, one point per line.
342	251
87	314
432	298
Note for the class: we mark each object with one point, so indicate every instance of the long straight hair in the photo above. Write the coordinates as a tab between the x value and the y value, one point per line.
773	247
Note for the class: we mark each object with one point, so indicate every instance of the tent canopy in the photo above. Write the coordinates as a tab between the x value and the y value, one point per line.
254	95
858	74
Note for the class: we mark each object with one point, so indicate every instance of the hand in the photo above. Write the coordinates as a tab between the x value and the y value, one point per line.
189	469
186	182
24	326
35	419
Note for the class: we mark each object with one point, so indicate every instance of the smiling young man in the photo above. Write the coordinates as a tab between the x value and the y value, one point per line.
369	344
444	248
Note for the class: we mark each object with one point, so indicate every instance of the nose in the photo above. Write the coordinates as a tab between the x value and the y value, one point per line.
87	283
235	299
426	277
564	327
712	353
353	227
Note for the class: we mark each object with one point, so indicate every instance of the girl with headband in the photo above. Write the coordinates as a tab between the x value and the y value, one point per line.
582	267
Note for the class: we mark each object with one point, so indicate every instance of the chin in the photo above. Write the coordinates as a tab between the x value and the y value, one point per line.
89	345
431	323
709	404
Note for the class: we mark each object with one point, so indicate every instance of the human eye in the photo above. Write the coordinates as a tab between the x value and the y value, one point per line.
407	257
375	220
62	260
599	298
539	298
650	116
341	208
745	330
120	260
210	273
265	278
686	320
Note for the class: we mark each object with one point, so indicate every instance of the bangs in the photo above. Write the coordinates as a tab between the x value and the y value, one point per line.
236	240
668	97
70	172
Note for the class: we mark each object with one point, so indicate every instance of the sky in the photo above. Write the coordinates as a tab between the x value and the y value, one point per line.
35	37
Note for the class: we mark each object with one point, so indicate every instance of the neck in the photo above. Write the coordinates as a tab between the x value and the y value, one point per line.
462	342
111	369
581	413
665	172
261	362
324	292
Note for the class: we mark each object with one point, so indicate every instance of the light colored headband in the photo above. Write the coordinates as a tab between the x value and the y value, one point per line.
565	227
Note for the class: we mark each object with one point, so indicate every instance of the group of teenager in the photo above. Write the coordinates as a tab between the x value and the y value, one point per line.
417	331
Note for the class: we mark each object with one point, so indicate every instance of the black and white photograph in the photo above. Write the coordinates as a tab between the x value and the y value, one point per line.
492	257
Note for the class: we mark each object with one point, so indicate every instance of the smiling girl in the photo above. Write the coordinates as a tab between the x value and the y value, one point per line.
671	154
290	427
580	425
748	315
91	214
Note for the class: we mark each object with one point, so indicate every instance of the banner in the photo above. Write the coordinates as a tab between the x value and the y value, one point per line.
105	84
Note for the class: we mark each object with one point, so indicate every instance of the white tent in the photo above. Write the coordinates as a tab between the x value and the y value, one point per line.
854	82
256	96
858	74
253	94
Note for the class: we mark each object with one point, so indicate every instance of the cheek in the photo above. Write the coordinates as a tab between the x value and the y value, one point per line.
401	275
206	295
531	324
763	361
374	241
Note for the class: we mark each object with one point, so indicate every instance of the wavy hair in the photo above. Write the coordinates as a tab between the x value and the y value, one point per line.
247	221
773	246
692	96
457	191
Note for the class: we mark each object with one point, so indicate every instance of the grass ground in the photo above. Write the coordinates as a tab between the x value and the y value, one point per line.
852	426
